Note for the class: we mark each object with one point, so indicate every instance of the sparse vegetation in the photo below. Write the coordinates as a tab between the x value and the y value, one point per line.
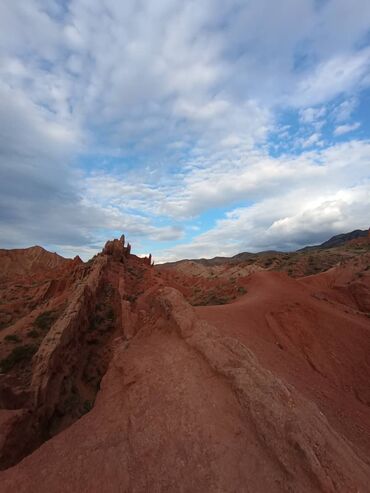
213	299
45	320
33	333
18	355
87	406
12	338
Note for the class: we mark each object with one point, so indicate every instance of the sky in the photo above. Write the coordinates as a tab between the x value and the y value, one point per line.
196	128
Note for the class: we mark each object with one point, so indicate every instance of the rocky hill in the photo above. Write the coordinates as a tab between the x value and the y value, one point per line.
111	381
199	277
342	239
28	261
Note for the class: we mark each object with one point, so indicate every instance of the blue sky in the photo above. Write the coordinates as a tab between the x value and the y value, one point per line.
196	128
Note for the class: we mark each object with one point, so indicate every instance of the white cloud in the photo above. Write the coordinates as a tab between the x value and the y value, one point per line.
313	139
336	76
311	115
318	194
282	223
345	129
180	97
345	109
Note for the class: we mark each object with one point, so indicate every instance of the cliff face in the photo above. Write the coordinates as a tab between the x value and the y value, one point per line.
64	346
25	261
136	390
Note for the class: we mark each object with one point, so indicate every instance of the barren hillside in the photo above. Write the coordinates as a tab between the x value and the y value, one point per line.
111	381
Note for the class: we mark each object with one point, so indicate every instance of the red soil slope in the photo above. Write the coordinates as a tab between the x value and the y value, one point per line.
318	345
28	261
267	394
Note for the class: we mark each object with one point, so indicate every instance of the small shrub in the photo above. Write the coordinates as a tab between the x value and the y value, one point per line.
12	338
242	290
45	320
18	355
87	406
33	333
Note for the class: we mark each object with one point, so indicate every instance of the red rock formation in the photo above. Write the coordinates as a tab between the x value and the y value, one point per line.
136	390
55	362
128	249
62	368
319	346
184	407
25	261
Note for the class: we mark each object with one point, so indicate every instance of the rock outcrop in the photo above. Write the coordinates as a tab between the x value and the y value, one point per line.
130	388
64	374
29	261
183	407
55	364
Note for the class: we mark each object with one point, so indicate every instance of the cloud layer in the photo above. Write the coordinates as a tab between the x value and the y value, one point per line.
197	128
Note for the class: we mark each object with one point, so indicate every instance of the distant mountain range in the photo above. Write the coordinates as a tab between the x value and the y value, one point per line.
333	242
341	239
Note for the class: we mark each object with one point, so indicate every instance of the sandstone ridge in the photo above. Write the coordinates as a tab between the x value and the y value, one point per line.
130	388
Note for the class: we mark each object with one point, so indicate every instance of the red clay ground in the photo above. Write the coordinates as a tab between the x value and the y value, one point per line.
269	393
319	346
